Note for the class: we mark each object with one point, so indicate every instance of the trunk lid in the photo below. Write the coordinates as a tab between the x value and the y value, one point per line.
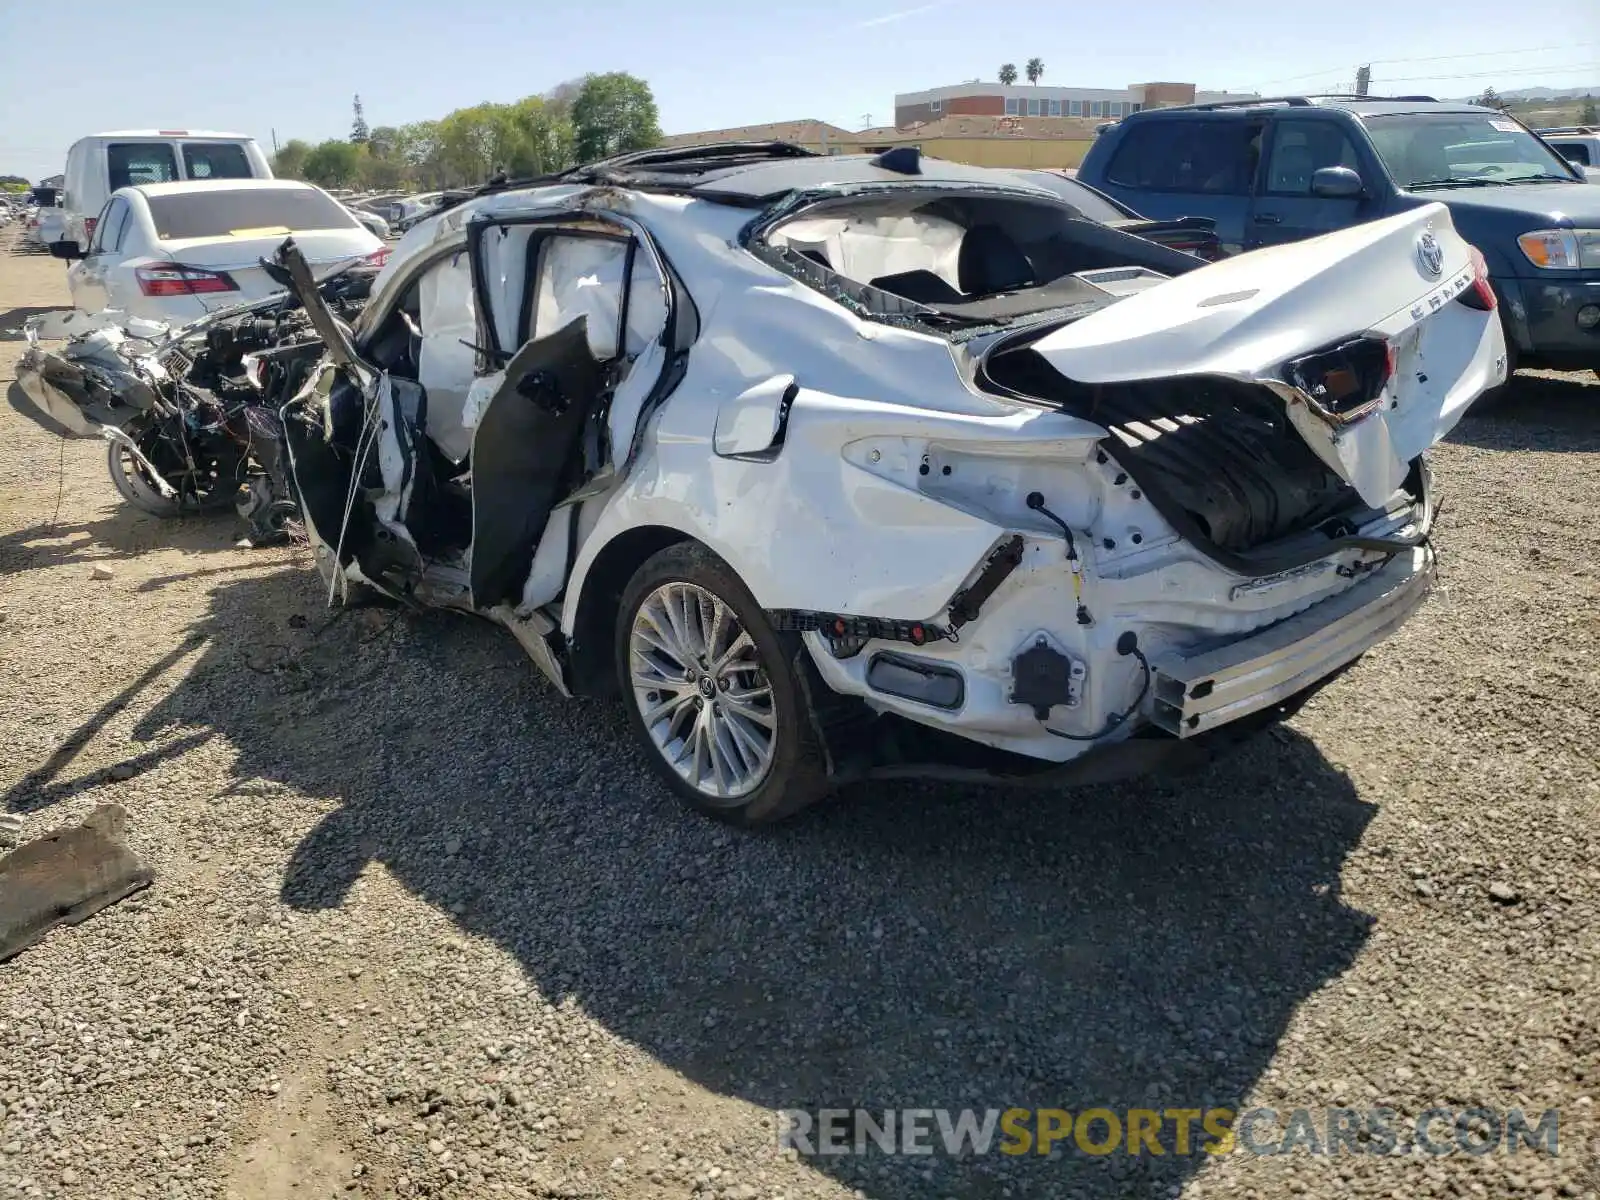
240	258
1393	281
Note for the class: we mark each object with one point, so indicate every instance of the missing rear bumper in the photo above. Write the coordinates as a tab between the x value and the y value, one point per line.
1197	692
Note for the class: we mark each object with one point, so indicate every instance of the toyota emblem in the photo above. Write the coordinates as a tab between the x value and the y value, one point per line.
1430	254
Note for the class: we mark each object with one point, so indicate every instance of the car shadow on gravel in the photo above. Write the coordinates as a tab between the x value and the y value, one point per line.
1138	946
124	533
1547	413
11	320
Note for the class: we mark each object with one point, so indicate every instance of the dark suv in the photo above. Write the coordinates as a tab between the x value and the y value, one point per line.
1269	171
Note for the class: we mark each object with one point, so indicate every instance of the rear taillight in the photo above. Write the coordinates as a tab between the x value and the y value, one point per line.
1345	381
377	258
179	280
1481	294
88	226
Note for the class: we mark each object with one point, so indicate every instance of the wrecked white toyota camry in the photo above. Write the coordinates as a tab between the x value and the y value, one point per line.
849	466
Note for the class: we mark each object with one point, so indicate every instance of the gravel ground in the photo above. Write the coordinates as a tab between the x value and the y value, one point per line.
420	927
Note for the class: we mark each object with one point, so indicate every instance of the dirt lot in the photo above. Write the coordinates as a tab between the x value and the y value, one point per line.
422	928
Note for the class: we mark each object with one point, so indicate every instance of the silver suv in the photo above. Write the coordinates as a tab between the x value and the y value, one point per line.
1578	144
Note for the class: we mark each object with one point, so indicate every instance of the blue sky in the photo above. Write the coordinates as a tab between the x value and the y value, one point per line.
68	67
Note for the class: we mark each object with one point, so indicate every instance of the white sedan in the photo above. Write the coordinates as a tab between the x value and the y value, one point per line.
175	251
844	466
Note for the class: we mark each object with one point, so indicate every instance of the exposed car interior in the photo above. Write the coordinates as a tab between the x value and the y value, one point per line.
499	383
972	258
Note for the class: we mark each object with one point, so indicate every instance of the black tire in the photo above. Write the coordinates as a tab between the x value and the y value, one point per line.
138	489
797	775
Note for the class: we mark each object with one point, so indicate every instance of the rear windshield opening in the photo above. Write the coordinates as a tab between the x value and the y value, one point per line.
207	214
962	258
133	163
216	160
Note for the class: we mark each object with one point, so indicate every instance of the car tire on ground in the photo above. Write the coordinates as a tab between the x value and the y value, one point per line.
712	691
139	490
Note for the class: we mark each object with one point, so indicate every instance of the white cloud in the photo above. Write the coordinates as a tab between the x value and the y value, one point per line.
902	14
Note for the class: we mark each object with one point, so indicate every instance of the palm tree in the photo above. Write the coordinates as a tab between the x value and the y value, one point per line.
1034	69
1008	73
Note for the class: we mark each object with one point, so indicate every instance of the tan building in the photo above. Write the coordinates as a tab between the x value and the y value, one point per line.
818	136
1036	142
981	141
976	98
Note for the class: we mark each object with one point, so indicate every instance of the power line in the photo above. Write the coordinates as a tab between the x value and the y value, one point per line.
1486	54
1389	62
1500	74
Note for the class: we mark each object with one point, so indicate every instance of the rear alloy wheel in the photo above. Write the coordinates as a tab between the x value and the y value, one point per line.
712	691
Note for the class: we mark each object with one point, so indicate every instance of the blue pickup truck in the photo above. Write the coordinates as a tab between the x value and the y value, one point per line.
1270	171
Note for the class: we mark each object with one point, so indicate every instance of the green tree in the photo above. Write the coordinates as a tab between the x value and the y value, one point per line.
382	141
417	146
290	160
612	114
1008	73
1491	99
358	127
564	95
546	139
1034	70
1590	117
476	142
384	168
335	163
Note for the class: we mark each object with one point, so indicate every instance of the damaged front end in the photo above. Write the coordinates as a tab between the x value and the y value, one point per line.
190	414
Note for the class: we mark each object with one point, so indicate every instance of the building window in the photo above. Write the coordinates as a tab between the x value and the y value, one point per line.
1011	108
1075	108
1133	108
1114	109
1097	108
1033	108
937	105
1055	108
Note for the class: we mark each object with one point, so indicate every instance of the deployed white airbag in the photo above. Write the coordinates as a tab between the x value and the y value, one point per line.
582	277
868	248
449	318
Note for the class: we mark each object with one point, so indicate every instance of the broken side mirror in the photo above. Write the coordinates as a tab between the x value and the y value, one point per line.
65	249
1337	183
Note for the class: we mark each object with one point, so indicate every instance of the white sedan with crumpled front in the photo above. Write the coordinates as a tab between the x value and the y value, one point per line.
841	467
175	251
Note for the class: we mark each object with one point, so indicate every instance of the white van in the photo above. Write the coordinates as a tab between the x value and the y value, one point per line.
101	163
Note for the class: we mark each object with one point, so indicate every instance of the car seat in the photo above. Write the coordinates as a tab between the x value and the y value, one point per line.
990	261
1291	170
1425	160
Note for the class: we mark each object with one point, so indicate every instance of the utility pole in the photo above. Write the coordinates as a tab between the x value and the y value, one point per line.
274	143
1363	79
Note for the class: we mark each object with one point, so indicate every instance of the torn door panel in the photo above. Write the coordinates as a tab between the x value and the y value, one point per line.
525	451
